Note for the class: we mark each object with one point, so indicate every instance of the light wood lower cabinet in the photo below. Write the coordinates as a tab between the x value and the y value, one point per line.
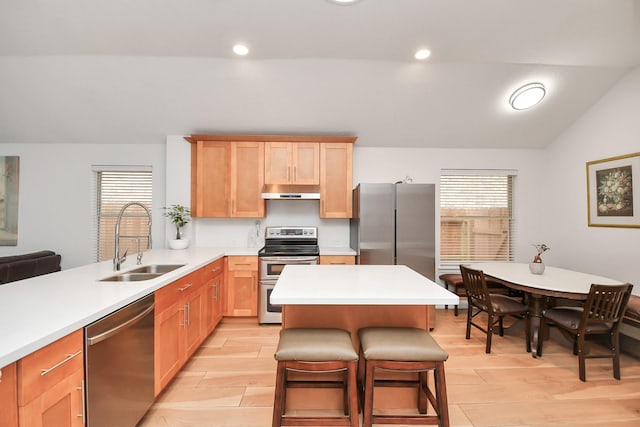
9	396
242	286
213	281
179	326
51	384
337	260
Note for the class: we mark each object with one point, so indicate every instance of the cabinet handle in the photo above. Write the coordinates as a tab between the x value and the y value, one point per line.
215	270
295	173
242	264
184	316
44	372
288	173
186	287
216	287
233	206
83	415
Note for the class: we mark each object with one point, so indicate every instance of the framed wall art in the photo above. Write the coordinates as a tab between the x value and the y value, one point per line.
613	191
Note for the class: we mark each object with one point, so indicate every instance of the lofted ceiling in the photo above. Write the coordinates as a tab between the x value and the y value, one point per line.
135	71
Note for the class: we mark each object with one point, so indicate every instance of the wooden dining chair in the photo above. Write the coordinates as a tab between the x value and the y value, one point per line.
496	306
601	315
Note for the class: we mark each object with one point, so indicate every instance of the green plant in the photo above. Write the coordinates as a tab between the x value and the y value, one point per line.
541	248
179	216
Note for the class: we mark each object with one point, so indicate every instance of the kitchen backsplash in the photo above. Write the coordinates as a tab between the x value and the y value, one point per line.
244	232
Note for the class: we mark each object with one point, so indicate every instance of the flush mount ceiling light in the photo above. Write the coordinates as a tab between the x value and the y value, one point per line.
422	54
527	96
240	49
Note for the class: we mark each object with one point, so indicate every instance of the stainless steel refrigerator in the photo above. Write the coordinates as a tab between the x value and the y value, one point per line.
395	224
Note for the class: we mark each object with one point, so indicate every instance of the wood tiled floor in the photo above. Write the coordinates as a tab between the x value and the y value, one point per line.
229	382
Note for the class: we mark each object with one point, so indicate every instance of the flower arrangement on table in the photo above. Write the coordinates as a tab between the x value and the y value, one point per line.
541	248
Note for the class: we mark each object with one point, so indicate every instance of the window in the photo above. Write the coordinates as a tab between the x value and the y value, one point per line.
115	187
476	217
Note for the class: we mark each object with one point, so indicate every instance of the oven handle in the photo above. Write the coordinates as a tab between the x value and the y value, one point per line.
292	259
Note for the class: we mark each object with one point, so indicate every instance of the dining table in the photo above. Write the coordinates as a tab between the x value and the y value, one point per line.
542	290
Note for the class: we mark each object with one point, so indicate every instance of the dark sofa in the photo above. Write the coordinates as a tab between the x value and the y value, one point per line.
18	267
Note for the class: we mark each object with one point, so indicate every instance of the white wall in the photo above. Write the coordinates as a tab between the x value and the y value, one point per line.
610	128
55	189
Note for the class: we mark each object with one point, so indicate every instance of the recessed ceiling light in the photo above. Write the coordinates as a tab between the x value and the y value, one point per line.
527	96
422	54
344	2
240	49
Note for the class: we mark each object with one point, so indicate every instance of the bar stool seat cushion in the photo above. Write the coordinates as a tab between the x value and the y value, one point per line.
315	345
400	344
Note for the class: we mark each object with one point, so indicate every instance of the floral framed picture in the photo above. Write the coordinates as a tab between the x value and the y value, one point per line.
613	191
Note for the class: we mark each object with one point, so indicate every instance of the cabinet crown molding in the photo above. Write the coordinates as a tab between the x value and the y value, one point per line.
271	138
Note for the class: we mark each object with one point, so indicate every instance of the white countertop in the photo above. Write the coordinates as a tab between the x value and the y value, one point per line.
357	285
553	278
35	312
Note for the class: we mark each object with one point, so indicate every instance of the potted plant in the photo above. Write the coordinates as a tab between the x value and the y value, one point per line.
179	217
537	266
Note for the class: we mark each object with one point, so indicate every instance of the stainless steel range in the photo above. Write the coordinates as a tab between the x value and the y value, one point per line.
283	246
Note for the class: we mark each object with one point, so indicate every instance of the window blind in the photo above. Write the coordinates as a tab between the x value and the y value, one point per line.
115	188
476	217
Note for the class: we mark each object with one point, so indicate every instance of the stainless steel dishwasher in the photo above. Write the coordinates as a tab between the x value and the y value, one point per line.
119	365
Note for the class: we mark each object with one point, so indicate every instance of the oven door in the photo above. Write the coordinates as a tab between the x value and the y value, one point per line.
267	312
271	266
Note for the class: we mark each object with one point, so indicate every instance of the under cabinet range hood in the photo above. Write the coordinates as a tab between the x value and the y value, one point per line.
290	192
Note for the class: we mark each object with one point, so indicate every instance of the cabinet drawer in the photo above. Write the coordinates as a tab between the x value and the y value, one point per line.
235	263
174	291
43	369
211	270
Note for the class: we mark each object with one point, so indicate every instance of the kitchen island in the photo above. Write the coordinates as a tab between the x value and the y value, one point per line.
351	297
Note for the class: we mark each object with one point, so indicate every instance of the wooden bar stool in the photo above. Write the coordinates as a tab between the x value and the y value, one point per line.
403	350
316	351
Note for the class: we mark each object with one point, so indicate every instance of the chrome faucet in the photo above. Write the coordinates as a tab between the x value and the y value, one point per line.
117	259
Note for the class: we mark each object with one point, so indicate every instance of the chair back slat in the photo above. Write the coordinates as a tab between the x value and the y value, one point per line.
606	303
476	286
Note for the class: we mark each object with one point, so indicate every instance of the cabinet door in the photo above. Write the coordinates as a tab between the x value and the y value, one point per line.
210	185
336	180
306	163
243	293
195	331
169	345
213	302
242	286
59	406
277	163
9	396
247	179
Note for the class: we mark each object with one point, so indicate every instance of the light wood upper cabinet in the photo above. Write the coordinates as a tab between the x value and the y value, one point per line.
210	181
228	172
247	179
336	180
292	163
227	179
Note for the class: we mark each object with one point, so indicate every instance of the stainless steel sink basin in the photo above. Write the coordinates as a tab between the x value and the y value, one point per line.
146	272
156	268
131	277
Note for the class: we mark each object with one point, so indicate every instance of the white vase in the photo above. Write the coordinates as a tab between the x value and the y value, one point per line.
536	267
178	243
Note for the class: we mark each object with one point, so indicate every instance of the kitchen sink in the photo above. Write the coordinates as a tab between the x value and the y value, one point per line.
131	277
156	268
146	272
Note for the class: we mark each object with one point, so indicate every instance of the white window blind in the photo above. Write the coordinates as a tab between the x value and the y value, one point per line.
115	187
476	217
